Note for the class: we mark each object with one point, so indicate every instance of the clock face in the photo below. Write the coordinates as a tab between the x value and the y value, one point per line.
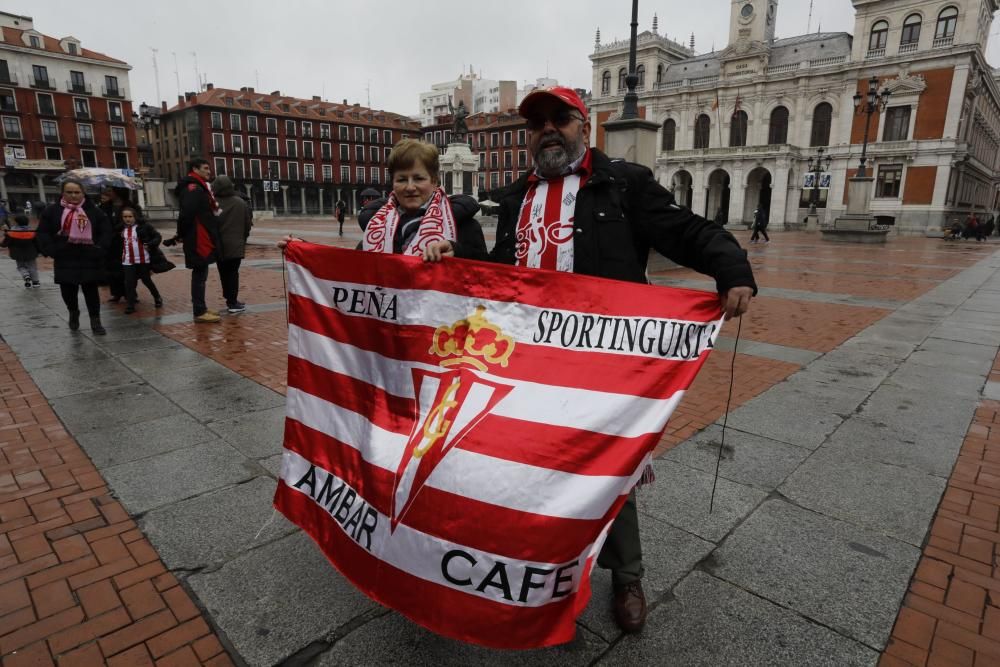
746	11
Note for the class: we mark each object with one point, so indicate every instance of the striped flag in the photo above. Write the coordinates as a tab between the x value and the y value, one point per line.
459	436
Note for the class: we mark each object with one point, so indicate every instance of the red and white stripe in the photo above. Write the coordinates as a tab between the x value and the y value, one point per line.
544	234
495	543
133	250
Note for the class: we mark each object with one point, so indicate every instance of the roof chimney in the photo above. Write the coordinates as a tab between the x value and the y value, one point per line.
244	89
189	97
276	93
209	86
163	106
316	98
345	101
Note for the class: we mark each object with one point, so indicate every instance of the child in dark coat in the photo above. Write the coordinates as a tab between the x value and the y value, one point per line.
20	243
140	245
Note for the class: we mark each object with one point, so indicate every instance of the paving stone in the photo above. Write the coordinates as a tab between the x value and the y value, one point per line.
191	377
74	377
59	353
680	497
257	434
916	410
967	357
850	367
747	459
151	343
103	408
668	554
893	349
402	642
712	623
953	382
800	412
992	391
119	444
847	578
900	444
167	359
277	599
238	518
963	334
894	501
227	400
272	465
176	475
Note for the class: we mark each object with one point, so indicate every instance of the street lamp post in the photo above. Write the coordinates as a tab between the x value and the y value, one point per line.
867	105
817	165
267	189
630	107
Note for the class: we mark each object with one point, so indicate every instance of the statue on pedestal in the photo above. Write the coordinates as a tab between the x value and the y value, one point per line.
459	129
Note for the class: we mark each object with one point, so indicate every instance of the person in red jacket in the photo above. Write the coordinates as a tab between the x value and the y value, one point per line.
198	230
20	243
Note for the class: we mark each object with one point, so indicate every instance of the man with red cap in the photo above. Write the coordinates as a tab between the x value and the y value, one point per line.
580	211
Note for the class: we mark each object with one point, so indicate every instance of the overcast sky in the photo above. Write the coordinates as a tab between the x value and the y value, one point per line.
390	49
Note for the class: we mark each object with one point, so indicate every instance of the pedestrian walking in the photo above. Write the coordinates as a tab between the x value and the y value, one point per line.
113	200
973	228
140	243
4	212
340	208
235	223
759	227
19	240
198	230
76	235
619	213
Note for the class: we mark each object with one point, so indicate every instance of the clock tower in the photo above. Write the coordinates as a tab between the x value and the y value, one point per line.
752	21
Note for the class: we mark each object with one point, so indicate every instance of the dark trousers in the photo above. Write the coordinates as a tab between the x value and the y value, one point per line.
91	297
133	274
622	551
199	276
757	231
229	276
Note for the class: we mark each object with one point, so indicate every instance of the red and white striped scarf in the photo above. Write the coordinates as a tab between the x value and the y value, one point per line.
216	209
133	251
544	235
437	224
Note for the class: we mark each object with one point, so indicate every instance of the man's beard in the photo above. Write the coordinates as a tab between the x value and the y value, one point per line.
553	162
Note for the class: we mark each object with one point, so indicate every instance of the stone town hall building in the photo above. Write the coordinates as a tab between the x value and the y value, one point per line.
934	152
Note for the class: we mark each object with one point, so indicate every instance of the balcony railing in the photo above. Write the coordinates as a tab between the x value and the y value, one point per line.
8	79
116	119
80	88
86	141
81	114
46	111
328	179
42	84
50	138
116	92
875	53
907	48
119	143
940	42
327	157
13	134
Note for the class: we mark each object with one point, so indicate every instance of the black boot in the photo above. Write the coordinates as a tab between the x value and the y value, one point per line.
95	325
74	320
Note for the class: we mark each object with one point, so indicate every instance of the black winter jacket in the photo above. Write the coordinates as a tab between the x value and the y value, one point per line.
74	264
201	248
622	213
470	243
20	242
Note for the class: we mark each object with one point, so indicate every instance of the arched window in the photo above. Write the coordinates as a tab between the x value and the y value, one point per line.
606	82
641	72
911	30
880	36
659	73
822	120
946	23
738	129
669	134
621	79
702	131
777	133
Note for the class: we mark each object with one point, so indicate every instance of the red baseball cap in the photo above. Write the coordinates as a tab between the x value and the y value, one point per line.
567	96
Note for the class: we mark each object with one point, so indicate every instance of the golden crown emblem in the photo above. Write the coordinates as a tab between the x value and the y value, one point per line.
472	341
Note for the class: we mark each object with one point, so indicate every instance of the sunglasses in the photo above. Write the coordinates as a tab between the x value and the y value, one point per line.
559	119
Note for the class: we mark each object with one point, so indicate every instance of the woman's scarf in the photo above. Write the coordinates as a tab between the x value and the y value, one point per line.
76	224
437	224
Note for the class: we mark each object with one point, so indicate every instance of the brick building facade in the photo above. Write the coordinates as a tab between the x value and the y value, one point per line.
317	152
61	107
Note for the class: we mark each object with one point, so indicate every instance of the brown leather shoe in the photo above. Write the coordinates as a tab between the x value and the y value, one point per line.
630	607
